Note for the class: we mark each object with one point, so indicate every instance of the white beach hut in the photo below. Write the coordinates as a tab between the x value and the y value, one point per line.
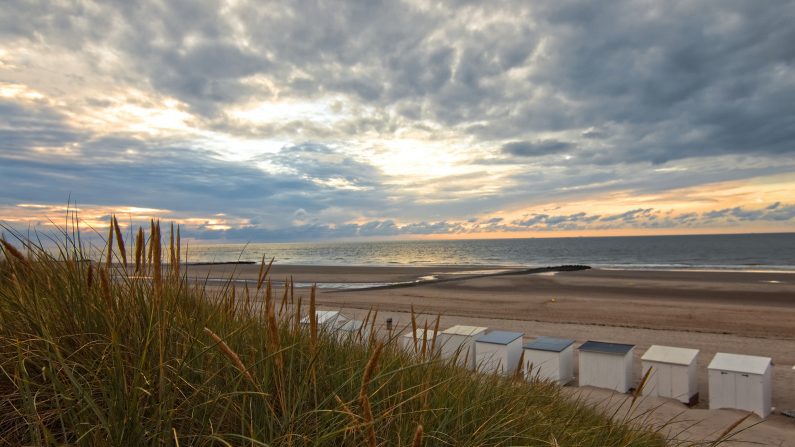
743	382
326	318
549	358
352	327
673	374
407	340
460	341
498	351
606	365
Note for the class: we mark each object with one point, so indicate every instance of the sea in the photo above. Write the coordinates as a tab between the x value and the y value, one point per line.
747	252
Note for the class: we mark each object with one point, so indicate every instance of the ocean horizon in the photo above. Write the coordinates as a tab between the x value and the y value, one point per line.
746	252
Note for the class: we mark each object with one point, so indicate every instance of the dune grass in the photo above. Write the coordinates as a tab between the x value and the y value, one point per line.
99	354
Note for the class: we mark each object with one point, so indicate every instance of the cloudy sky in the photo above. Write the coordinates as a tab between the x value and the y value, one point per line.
275	121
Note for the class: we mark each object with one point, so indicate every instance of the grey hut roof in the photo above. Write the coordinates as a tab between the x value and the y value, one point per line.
550	344
499	337
605	348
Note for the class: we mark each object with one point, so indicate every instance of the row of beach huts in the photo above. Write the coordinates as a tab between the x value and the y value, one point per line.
736	381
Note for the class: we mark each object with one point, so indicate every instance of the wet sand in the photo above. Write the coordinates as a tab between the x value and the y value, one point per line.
739	312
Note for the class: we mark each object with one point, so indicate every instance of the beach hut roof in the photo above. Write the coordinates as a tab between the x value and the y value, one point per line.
499	337
420	333
550	344
464	330
669	354
606	348
749	364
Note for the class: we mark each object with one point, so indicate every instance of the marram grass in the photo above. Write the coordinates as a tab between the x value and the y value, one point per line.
94	354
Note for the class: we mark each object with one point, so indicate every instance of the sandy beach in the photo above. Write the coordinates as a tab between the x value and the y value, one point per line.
740	312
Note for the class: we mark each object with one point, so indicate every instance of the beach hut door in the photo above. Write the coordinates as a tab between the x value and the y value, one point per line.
728	390
743	397
664	386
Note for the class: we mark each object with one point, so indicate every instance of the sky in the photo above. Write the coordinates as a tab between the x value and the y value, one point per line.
322	120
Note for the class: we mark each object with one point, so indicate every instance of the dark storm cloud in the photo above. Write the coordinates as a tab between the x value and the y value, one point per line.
24	128
628	216
773	212
535	149
548	221
166	178
321	162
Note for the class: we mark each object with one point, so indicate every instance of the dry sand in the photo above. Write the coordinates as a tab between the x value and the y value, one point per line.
739	312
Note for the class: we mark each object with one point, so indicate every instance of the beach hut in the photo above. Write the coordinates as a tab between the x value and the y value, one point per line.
326	318
549	358
351	328
606	365
407	340
673	373
743	382
460	341
498	351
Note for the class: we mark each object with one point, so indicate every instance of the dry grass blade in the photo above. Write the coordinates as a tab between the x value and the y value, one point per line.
297	322
425	339
104	283
90	276
346	409
150	253
268	298
639	390
283	304
275	341
109	254
10	249
232	356
364	398
418	433
247	297
518	374
177	256
263	272
172	250
139	250
435	332
157	273
725	434
120	241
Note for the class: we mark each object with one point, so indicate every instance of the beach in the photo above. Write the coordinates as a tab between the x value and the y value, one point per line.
726	311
